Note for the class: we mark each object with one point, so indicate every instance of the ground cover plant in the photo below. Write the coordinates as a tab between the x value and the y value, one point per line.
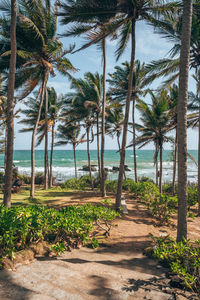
161	205
182	258
20	226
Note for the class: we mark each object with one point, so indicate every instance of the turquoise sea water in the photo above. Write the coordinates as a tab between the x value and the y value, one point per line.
63	163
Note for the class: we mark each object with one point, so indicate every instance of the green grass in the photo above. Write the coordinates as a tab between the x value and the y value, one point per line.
49	197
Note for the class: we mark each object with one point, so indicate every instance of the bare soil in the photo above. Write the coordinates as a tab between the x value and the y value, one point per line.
116	270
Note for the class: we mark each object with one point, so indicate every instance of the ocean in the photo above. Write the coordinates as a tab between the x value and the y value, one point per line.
63	163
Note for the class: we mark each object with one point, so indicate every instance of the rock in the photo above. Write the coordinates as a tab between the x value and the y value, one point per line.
115	169
87	169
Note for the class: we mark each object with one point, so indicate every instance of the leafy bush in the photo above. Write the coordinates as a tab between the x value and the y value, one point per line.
192	196
111	186
162	206
21	226
183	258
25	179
1	177
145	179
39	178
81	183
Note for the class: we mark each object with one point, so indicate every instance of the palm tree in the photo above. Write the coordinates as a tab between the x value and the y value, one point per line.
88	17
195	122
10	106
96	82
119	87
81	106
69	134
182	119
114	121
39	53
31	114
155	119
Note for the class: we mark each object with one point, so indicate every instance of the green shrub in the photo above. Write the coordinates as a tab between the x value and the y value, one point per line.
183	258
111	186
192	196
25	179
1	177
162	206
20	226
39	178
145	179
81	183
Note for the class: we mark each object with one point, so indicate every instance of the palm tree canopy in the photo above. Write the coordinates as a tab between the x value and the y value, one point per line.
38	48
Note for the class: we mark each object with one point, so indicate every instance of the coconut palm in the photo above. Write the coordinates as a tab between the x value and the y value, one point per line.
119	88
182	119
31	114
170	29
39	54
114	121
69	134
86	17
10	106
81	105
194	106
155	125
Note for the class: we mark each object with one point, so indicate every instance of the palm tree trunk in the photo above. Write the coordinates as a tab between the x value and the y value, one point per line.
156	164
5	155
134	146
98	150
75	166
51	157
46	171
103	188
174	168
126	118
10	107
88	151
199	169
160	178
118	142
182	119
42	90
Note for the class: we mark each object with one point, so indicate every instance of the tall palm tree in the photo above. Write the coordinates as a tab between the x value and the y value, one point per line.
119	88
39	54
96	82
182	119
69	134
114	121
194	105
80	105
87	17
155	119
10	106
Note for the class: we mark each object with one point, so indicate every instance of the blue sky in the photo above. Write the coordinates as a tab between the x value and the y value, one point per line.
149	46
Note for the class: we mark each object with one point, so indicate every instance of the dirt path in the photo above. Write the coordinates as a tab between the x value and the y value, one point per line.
116	271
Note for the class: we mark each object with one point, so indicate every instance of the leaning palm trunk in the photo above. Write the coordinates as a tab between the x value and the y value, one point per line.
127	109
134	146
103	188
42	90
199	169
46	168
174	168
88	151
51	157
10	107
75	166
160	178
182	120
98	150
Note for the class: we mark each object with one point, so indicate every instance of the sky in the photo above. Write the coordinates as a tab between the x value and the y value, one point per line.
149	46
